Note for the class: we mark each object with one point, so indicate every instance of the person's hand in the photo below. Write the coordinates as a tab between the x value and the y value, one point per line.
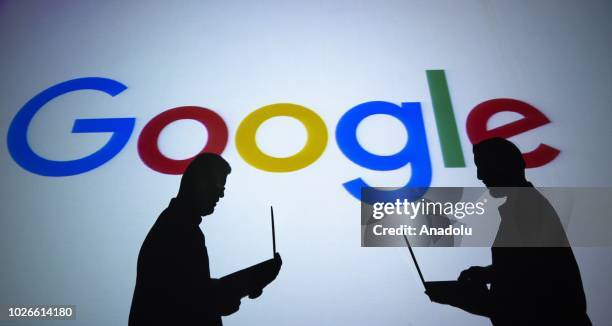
265	275
255	293
227	306
474	298
278	262
477	274
271	269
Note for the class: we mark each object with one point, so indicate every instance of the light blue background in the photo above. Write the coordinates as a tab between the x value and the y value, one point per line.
75	240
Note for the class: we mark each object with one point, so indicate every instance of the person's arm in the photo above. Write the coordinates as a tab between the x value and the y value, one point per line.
474	299
478	274
225	302
185	268
250	281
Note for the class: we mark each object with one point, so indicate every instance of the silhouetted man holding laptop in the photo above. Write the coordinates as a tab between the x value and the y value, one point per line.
534	278
173	283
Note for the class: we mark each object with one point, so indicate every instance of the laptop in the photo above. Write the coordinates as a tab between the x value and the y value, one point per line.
450	289
273	232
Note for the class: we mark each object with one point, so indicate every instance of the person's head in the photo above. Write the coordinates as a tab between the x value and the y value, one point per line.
499	163
203	182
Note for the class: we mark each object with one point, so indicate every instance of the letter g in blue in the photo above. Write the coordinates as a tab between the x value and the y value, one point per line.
415	152
120	127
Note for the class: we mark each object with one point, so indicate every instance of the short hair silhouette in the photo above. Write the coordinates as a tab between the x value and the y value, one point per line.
502	151
533	278
203	169
173	281
500	163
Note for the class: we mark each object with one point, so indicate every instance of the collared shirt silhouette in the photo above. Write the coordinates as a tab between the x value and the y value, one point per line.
534	278
173	282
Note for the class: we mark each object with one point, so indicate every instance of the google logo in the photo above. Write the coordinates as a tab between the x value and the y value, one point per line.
415	152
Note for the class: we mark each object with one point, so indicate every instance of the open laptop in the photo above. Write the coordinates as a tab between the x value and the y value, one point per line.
273	232
450	289
236	283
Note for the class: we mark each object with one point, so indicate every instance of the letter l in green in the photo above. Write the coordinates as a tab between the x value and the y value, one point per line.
445	119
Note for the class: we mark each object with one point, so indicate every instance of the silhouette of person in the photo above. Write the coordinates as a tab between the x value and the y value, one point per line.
534	278
173	283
